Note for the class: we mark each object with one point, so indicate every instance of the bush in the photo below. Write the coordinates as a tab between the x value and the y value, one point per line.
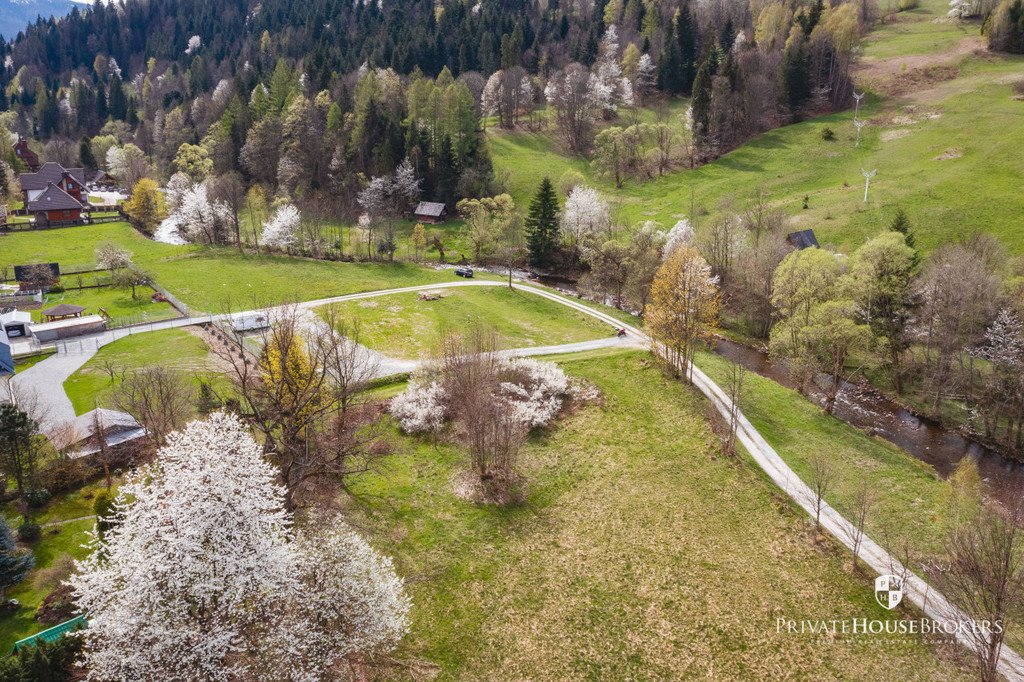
29	531
43	661
828	134
103	507
907	5
63	475
37	497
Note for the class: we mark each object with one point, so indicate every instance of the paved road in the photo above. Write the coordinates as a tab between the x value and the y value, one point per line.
917	591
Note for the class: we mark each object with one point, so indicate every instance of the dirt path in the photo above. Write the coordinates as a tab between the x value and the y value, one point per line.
903	76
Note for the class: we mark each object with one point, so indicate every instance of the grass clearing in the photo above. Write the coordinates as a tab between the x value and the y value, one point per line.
177	349
405	326
639	552
118	304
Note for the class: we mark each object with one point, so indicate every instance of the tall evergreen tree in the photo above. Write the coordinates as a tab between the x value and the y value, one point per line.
14	563
702	100
686	36
670	69
85	154
117	102
542	225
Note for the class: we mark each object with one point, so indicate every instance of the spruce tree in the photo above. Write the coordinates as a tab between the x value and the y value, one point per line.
85	155
14	563
542	225
686	36
702	101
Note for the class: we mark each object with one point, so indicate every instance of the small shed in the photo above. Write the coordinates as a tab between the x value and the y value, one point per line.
68	328
431	212
804	239
63	311
14	323
113	427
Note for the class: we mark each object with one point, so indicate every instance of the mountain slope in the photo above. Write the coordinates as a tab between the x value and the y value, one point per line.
15	15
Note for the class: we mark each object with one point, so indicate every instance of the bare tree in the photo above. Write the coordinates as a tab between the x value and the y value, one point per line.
985	579
230	189
301	394
822	475
861	506
159	398
737	375
469	370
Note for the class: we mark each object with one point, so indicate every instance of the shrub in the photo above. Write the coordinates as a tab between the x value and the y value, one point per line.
37	497
29	531
103	507
64	474
828	134
907	5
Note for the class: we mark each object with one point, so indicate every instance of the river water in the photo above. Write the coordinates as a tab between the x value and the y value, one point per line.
923	438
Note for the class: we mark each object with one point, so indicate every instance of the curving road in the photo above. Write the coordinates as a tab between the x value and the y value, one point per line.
47	375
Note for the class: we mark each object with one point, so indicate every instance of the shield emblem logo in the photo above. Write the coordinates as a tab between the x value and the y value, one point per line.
888	591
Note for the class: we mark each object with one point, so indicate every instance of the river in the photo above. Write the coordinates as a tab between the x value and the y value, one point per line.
923	438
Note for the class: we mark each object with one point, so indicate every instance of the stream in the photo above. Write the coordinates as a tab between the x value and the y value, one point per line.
866	409
923	438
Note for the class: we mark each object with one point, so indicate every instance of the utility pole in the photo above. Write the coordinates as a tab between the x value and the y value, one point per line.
867	181
858	124
856	110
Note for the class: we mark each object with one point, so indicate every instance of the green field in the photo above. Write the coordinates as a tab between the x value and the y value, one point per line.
948	152
217	278
405	326
177	349
640	552
117	303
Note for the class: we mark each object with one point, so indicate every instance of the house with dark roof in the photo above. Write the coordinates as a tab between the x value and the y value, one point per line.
103	180
54	205
70	180
430	212
26	155
804	239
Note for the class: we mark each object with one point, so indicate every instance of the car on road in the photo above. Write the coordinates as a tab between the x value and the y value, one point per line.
464	272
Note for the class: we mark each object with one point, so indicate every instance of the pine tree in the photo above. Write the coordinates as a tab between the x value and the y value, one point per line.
14	563
702	100
85	154
686	36
542	225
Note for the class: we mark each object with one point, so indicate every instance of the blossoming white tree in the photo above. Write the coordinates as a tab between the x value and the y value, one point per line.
681	234
610	88
198	577
201	220
585	215
279	231
199	544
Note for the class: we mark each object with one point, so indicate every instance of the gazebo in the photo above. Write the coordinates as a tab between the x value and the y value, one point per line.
63	311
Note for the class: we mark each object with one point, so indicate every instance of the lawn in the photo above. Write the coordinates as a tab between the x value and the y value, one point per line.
640	552
405	326
118	304
56	541
177	349
217	278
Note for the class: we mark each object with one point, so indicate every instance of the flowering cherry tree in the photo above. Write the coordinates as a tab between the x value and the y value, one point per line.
681	234
279	231
199	578
585	215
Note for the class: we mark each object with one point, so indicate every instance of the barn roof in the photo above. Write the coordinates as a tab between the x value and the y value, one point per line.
54	199
804	239
433	209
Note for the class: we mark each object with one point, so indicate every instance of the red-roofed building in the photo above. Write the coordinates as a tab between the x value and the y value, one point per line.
54	205
26	155
70	180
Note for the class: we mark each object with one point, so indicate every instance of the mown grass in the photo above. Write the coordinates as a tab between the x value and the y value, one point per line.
117	303
923	30
640	552
406	326
177	349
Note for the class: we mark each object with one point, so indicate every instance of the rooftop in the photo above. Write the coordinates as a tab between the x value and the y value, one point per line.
430	208
54	199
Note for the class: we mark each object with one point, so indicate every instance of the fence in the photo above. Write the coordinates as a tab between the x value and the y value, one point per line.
93	342
21	298
171	298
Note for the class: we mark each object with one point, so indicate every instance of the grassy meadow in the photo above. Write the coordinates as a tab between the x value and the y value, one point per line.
177	349
944	135
639	552
408	326
117	303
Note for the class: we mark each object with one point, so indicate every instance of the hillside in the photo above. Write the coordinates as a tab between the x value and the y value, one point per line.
945	131
15	15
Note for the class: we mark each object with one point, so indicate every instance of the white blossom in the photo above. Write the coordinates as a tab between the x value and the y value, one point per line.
421	408
681	234
585	214
194	43
280	230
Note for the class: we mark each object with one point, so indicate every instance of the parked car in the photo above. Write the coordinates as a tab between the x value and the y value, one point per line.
464	272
